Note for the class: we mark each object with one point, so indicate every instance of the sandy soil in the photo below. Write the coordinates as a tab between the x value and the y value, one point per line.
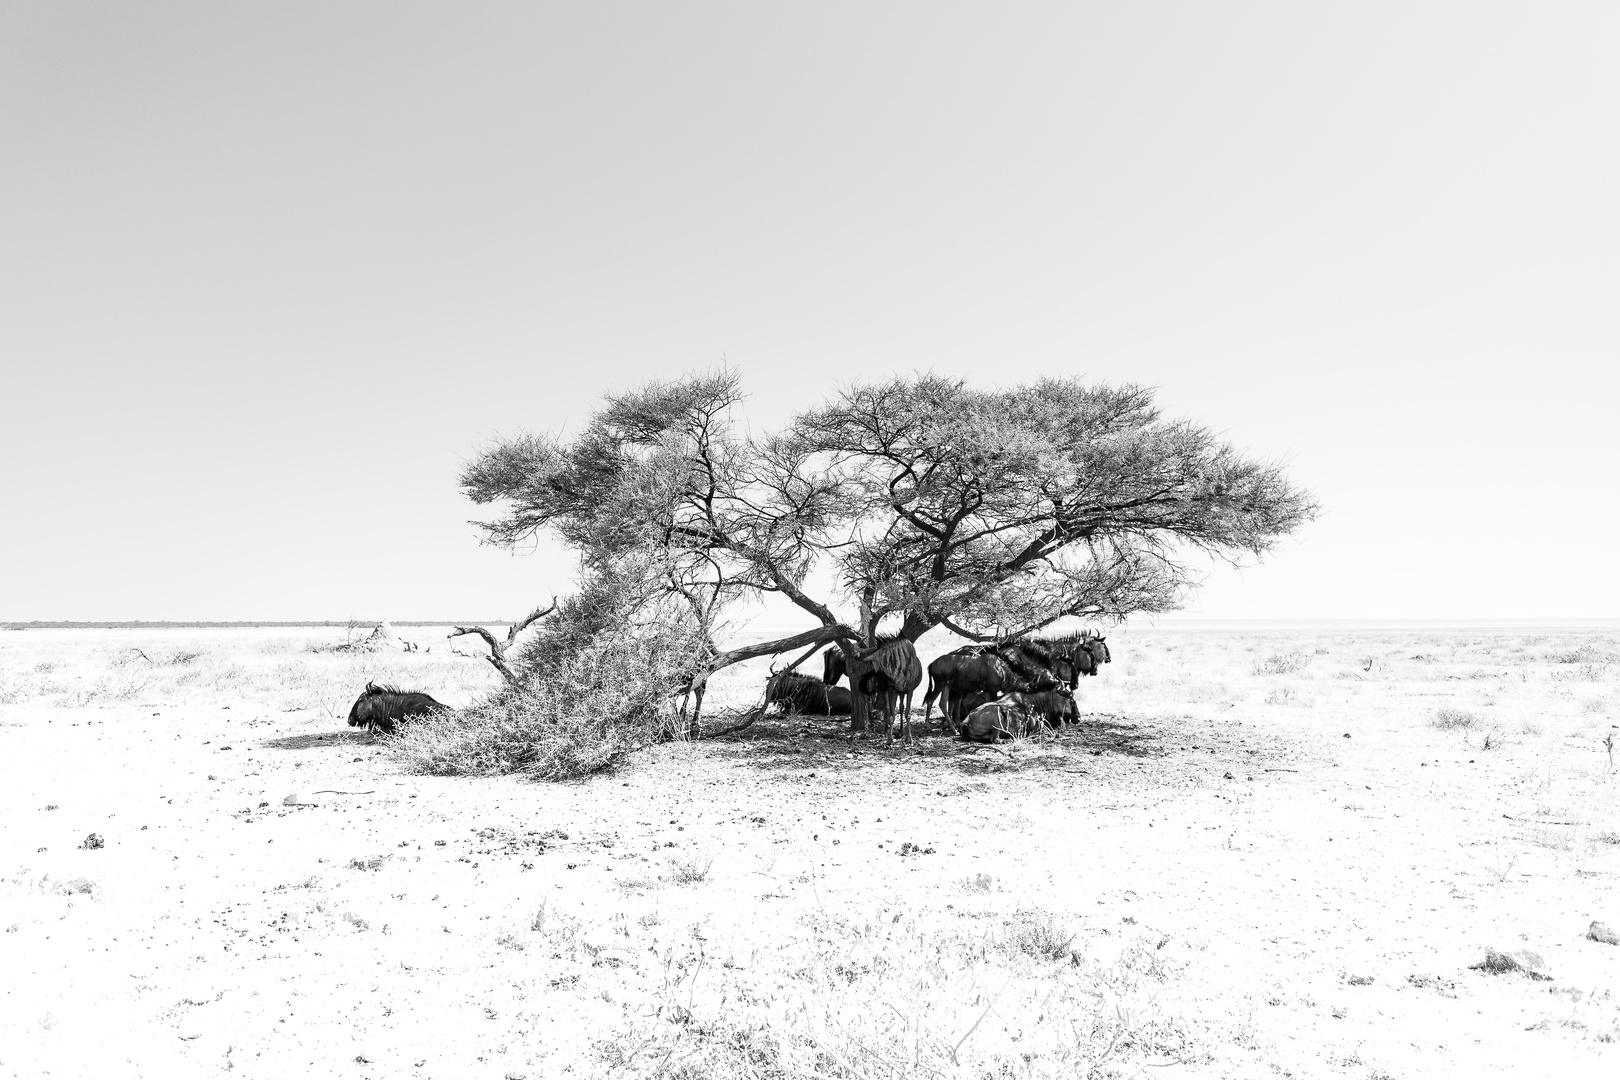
1260	853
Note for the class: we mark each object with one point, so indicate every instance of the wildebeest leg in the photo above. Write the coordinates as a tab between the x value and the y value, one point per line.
697	709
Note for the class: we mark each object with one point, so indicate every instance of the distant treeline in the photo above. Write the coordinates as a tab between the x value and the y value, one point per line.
141	624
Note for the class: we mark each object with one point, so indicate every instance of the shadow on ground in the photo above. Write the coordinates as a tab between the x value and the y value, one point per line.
321	738
819	744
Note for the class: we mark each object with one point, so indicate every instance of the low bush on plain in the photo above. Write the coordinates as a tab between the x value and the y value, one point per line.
1283	663
1448	718
586	700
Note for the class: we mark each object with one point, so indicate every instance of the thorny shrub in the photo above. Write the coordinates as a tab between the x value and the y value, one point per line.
1283	663
591	691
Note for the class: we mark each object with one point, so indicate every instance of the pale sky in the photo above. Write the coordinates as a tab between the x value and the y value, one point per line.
270	273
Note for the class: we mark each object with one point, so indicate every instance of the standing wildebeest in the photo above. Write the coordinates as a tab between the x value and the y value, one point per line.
1096	647
806	694
381	707
940	672
834	665
890	674
993	673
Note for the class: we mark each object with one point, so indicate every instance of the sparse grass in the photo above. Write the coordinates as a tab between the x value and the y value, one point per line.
1283	695
950	1003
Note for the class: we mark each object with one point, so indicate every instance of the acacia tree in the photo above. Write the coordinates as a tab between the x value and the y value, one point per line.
990	512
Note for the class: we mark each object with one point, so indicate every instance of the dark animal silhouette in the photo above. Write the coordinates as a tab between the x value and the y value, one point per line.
939	678
890	675
993	674
1087	649
835	665
380	708
806	694
1035	659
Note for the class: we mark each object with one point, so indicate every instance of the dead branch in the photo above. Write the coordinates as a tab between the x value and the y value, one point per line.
497	650
518	627
747	721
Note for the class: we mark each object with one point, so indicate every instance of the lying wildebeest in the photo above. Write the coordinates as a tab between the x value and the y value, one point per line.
1056	707
835	665
381	707
890	675
806	694
1007	717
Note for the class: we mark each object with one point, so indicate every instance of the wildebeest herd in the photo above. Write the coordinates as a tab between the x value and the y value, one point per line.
985	692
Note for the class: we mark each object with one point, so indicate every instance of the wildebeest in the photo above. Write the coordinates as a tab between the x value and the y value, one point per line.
835	665
1055	706
1009	716
1088	650
940	671
806	694
993	673
381	707
1097	648
890	675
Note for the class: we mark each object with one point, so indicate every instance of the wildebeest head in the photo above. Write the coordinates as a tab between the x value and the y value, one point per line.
1097	648
1057	706
380	708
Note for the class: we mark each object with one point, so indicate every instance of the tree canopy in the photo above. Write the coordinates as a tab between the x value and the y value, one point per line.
990	512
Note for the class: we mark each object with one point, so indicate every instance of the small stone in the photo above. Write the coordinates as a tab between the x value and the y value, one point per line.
92	842
1601	932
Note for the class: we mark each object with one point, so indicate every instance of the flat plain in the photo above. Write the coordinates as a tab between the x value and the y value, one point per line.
1266	854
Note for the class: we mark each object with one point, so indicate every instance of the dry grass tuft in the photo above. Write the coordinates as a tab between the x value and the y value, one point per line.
691	869
1283	663
1449	718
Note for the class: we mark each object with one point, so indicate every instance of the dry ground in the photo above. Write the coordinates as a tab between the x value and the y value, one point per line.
1262	854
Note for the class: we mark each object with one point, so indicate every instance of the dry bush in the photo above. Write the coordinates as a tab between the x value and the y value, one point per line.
1449	718
1586	653
579	713
1283	663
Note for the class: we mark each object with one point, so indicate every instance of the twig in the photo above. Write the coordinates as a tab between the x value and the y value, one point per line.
1541	821
329	791
1282	770
747	721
